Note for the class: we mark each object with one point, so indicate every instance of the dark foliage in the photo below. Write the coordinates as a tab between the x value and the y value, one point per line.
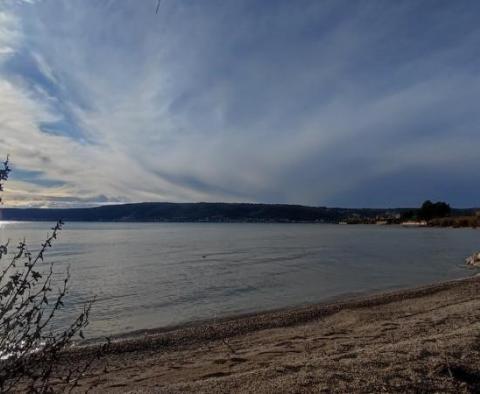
430	210
409	215
434	210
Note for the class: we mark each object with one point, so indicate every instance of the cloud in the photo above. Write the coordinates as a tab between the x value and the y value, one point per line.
318	103
9	34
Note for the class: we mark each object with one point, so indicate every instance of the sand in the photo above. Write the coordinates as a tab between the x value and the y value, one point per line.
421	340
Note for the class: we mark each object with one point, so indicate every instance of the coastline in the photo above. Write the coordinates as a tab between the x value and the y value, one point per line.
425	326
195	331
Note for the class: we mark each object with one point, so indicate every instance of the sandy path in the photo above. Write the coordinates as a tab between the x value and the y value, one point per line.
417	340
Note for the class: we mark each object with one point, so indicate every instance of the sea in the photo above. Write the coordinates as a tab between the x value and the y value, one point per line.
157	275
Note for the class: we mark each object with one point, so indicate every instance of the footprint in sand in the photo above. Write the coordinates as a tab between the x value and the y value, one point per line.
286	343
238	360
216	375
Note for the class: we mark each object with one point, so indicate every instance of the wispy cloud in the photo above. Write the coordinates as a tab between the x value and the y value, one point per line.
319	102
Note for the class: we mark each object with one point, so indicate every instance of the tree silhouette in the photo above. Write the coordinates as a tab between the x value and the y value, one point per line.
430	210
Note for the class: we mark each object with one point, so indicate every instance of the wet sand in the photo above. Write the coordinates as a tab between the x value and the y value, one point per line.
420	340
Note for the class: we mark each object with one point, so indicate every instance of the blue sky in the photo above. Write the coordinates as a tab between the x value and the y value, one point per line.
339	103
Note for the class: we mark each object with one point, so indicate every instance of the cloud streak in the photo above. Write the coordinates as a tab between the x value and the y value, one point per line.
322	103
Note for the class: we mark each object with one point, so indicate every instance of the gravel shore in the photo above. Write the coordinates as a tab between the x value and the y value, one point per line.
425	339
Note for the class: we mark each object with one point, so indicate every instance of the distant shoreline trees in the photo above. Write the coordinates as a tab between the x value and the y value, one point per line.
428	211
431	210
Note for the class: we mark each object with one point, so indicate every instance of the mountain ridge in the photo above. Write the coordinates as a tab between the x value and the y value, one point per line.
198	212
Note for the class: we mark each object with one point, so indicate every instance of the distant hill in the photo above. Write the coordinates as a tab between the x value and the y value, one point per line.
188	212
193	212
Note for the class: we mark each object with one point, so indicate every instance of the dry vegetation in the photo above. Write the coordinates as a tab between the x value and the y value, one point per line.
456	221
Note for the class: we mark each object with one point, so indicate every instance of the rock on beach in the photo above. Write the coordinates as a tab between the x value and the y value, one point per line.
473	260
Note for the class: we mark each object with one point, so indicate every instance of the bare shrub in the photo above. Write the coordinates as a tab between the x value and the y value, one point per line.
4	175
31	349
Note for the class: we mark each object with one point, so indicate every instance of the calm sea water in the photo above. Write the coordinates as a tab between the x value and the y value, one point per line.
154	275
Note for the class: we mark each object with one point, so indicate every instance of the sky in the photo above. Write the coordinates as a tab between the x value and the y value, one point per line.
337	103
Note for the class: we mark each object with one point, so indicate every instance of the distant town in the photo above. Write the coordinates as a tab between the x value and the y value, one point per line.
438	214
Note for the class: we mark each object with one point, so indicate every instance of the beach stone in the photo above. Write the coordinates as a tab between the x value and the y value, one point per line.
473	260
